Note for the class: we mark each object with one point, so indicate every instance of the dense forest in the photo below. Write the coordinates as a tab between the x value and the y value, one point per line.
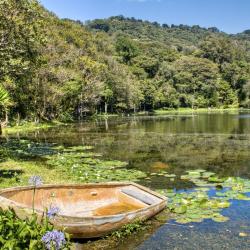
53	68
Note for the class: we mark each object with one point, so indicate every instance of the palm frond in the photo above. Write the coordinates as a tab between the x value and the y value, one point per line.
4	96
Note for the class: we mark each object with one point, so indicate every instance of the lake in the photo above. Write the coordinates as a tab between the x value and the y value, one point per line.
216	142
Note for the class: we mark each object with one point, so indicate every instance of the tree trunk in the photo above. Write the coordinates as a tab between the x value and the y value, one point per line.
105	108
6	118
81	107
106	124
18	119
1	132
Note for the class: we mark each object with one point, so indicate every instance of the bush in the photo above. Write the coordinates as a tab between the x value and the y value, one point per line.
24	234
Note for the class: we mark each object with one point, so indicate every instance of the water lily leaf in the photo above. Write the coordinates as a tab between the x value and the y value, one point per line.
181	209
198	220
215	179
220	218
194	174
199	170
242	197
194	216
196	205
223	204
183	220
170	175
185	177
207	174
220	194
200	183
242	234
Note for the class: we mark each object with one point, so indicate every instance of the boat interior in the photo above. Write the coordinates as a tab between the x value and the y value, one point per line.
81	201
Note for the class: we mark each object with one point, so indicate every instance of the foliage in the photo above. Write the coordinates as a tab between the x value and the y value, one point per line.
126	49
77	163
22	39
65	70
23	234
85	167
129	229
4	97
197	206
199	203
4	102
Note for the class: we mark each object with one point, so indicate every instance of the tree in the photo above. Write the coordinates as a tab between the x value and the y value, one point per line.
63	69
227	97
107	96
148	64
220	50
21	38
237	74
126	48
99	24
246	95
20	24
196	79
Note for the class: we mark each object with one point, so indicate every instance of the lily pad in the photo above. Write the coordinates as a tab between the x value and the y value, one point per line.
242	234
207	174
181	209
170	175
220	218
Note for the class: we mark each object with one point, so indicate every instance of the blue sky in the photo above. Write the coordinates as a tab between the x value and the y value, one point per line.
231	16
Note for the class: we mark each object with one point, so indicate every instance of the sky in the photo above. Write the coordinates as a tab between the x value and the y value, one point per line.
231	16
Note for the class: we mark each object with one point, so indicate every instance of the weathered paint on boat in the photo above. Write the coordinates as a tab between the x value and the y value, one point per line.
89	210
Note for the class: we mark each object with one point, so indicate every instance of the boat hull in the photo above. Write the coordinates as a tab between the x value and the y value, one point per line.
95	222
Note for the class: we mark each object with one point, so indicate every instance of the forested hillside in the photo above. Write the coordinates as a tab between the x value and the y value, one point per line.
63	69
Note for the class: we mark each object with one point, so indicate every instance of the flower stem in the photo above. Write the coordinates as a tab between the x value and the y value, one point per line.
33	199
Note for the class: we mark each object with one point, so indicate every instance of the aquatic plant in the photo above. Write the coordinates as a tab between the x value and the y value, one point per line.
54	240
76	163
129	229
199	204
86	167
23	149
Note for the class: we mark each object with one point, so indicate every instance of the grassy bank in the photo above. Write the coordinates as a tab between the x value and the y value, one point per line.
199	110
32	126
29	127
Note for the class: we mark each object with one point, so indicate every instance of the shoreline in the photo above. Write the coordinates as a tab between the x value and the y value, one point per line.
32	126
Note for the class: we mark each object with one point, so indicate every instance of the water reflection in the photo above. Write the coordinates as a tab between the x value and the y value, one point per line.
216	142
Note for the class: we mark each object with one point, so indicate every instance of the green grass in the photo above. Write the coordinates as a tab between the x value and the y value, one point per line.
199	110
29	127
29	168
105	116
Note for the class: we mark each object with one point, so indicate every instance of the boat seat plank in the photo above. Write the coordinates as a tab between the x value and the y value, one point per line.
140	195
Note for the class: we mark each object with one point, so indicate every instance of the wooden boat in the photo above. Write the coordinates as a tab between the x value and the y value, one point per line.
86	211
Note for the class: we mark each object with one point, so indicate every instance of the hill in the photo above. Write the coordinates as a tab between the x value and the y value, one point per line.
63	69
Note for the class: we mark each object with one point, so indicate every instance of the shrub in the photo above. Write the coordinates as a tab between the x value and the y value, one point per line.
25	234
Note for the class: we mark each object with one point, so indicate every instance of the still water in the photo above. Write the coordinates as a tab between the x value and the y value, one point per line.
175	143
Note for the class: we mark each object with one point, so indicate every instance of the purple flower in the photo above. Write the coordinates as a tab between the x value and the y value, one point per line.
35	181
54	240
52	212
